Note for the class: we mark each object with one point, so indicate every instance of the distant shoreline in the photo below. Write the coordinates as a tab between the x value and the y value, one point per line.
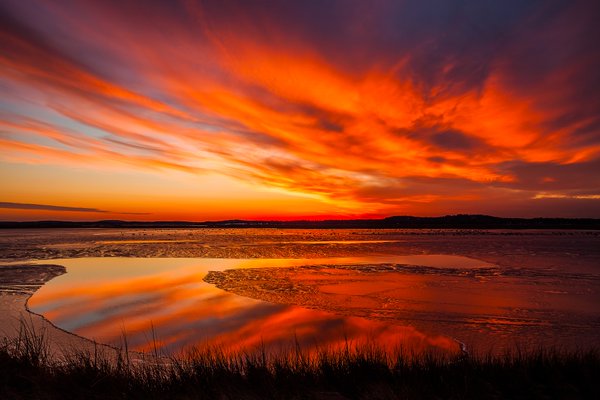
461	221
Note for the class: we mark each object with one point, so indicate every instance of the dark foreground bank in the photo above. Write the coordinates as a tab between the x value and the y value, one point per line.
27	371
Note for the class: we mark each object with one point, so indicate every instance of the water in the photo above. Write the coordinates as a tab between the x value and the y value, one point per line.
419	302
166	298
422	290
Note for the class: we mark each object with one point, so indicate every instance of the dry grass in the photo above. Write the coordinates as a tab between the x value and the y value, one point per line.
29	371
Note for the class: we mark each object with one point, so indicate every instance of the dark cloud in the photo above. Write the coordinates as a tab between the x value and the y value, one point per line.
437	159
47	207
27	206
453	140
544	176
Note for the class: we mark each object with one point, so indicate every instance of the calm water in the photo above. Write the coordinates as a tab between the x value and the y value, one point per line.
439	302
104	298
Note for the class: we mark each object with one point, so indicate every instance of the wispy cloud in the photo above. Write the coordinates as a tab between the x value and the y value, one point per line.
381	107
48	207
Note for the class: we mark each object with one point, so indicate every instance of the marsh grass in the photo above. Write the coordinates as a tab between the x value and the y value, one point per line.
28	370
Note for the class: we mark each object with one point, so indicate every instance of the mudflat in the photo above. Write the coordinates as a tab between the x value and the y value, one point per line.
562	249
17	284
529	287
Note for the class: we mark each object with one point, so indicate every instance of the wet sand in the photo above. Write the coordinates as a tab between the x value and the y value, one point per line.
489	308
18	283
566	250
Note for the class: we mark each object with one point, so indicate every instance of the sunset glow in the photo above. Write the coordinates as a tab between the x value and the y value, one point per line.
190	110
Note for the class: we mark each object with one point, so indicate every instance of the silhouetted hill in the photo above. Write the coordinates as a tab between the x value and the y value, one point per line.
461	221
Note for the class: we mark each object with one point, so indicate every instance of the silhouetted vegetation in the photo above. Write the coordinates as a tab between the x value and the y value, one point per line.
460	221
28	371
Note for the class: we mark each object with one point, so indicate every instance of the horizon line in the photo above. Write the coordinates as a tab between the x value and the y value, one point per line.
303	219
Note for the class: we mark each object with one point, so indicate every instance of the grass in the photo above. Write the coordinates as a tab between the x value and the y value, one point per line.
28	371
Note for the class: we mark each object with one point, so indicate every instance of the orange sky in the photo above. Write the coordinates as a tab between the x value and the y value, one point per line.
185	110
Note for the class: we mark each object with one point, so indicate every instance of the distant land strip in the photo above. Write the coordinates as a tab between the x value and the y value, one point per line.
460	221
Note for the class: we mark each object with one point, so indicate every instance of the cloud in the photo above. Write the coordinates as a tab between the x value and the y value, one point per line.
453	140
27	206
394	104
47	207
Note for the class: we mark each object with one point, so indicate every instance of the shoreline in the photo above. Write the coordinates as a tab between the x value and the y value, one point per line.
19	281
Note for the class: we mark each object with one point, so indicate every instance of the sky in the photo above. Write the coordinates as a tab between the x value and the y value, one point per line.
210	110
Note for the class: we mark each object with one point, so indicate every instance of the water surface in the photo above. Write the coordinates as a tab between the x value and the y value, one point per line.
491	290
166	298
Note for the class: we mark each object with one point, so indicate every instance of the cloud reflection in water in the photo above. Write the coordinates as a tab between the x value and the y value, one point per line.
102	298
